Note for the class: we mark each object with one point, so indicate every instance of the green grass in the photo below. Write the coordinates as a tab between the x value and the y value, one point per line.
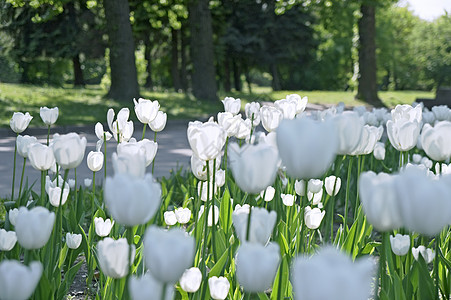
88	105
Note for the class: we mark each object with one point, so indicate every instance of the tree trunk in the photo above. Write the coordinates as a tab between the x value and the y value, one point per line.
202	55
148	58
227	84
367	89
124	79
248	78
236	76
78	72
183	59
175	60
275	77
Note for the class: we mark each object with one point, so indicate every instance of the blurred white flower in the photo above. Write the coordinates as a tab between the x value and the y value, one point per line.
210	215
287	199
261	227
24	143
114	257
268	193
8	240
427	253
18	282
219	287
436	141
400	244
270	117
147	287
34	227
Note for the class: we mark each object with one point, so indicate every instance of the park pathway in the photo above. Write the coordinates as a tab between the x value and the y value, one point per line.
173	152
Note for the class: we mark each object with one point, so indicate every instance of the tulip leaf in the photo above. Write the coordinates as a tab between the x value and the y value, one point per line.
225	211
263	296
182	293
220	241
63	255
218	267
68	279
44	289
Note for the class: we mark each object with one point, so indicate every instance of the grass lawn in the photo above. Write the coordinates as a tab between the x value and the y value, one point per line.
88	106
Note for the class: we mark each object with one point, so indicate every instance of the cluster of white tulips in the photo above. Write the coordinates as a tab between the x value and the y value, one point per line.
280	203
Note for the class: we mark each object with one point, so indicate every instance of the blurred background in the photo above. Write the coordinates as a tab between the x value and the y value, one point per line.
188	54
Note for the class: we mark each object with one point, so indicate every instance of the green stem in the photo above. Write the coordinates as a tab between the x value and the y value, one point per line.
144	131
213	226
43	188
436	262
118	132
153	162
14	169
21	177
93	193
104	156
225	154
382	262
252	128
130	240
163	291
348	183
48	135
204	246
279	286
248	228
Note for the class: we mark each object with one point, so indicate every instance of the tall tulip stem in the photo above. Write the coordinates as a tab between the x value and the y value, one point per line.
436	262
163	291
21	177
144	132
204	245
213	226
104	157
153	162
14	169
130	239
43	188
348	184
248	228
93	193
48	135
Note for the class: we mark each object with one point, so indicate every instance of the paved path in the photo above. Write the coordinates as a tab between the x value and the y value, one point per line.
173	152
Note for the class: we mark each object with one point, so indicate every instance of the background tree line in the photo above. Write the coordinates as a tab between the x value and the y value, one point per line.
202	46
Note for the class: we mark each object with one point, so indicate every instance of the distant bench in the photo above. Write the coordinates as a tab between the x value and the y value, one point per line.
442	97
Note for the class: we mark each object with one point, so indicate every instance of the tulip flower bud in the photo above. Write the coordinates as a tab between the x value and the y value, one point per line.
340	277
436	141
114	257
146	110
304	154
17	281
95	161
268	193
19	121
73	240
34	226
69	149
8	240
12	214
262	224
256	266
183	215
147	287
299	187
252	111
168	253
206	140
191	280
254	167
130	200
103	228
301	102
48	115
159	123
427	253
41	156
379	151
332	184
24	143
314	185
287	107
121	128
400	244
169	218
379	200
287	199
219	287
313	217
53	189
271	117
232	105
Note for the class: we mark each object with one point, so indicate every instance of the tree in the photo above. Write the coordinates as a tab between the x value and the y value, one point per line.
202	56
124	80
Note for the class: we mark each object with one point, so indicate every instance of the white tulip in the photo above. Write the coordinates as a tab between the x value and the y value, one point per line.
19	121
315	198
114	257
232	105
168	253
95	160
427	253
69	149
287	107
191	280
18	282
121	128
169	218
400	244
34	226
159	123
103	227
73	240
24	143
270	117
268	193
101	134
379	151
12	215
436	141
256	266
183	215
314	185
8	240
146	110
299	187
252	111
261	227
349	128
49	115
210	215
147	287
41	156
219	287
53	189
206	139
287	199
301	102
130	164
313	217
332	185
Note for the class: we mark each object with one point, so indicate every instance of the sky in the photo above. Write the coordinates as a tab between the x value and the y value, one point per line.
428	9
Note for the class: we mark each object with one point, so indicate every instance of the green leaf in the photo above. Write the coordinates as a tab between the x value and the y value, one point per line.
68	279
217	268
